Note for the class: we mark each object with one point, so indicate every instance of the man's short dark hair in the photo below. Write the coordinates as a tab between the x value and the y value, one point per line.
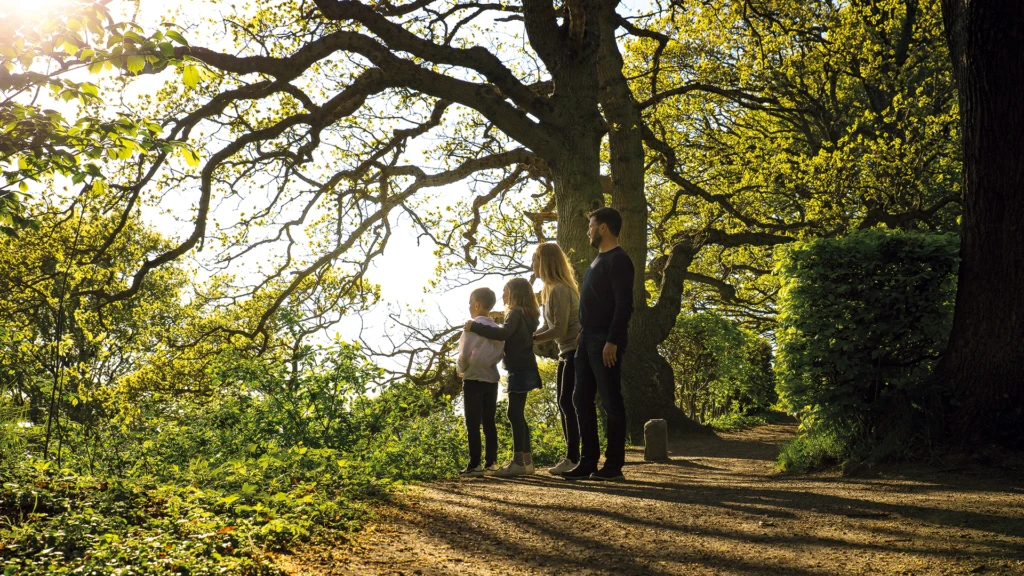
609	216
485	296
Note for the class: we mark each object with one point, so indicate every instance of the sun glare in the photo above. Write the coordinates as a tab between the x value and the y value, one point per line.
26	9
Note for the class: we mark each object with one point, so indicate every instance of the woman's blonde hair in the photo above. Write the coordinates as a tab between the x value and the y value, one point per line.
520	295
554	269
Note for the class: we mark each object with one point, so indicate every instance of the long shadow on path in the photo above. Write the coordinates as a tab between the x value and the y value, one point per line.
717	507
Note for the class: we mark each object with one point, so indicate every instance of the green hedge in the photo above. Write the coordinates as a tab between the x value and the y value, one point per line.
862	320
723	371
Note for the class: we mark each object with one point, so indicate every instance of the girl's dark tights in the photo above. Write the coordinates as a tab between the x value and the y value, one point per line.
517	417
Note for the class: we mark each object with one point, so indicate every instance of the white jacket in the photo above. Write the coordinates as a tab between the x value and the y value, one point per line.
479	356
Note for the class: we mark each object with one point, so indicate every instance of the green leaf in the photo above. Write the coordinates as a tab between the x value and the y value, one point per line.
190	75
135	64
191	157
173	35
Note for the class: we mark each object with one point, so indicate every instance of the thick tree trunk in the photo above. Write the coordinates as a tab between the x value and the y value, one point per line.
586	71
648	385
576	165
577	178
984	361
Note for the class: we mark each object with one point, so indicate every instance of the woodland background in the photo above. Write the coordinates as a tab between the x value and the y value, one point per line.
180	399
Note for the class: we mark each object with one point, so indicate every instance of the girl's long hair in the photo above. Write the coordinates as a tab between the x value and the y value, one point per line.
554	269
520	295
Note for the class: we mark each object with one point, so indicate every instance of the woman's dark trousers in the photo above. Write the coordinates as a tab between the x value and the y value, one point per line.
566	384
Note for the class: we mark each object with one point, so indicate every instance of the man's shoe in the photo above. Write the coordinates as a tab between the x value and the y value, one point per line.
578	473
490	469
509	470
473	472
562	467
607	475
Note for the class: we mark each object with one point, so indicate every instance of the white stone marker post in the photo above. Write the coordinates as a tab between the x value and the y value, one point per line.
656	440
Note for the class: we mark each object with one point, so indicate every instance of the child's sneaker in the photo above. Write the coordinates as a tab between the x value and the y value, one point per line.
468	472
510	469
562	467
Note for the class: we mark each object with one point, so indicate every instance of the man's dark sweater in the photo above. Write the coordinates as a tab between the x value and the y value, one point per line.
606	297
517	334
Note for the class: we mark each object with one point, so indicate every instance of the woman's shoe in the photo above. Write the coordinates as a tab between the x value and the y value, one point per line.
528	463
562	467
475	471
509	470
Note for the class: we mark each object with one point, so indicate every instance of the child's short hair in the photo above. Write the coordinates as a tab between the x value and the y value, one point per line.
484	296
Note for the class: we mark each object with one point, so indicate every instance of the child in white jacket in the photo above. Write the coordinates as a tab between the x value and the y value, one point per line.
478	367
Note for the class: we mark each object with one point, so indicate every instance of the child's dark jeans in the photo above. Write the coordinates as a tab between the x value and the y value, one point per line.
480	400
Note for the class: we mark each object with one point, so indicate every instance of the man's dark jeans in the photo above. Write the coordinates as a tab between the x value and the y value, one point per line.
480	400
593	378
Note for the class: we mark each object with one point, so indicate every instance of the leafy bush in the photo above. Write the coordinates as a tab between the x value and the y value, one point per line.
212	517
862	321
733	421
808	452
11	442
722	369
206	484
407	434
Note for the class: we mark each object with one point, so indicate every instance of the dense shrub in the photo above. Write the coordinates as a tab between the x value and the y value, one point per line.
206	484
723	371
862	320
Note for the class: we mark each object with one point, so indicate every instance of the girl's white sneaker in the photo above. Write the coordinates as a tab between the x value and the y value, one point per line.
562	467
472	472
509	470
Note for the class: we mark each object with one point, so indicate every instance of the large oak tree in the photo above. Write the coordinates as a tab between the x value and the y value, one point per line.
309	115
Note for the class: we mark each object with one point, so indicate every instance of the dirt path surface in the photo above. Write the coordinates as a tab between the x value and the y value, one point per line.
717	508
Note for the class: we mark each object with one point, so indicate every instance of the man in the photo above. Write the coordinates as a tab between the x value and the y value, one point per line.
606	303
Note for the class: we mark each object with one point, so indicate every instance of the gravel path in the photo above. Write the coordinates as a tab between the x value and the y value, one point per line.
717	508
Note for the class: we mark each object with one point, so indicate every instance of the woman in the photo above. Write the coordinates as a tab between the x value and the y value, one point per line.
521	320
561	300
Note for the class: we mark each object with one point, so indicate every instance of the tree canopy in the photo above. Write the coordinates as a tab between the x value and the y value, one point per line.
290	146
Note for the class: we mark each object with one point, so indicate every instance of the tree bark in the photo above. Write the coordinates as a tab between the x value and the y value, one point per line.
648	384
576	174
984	361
